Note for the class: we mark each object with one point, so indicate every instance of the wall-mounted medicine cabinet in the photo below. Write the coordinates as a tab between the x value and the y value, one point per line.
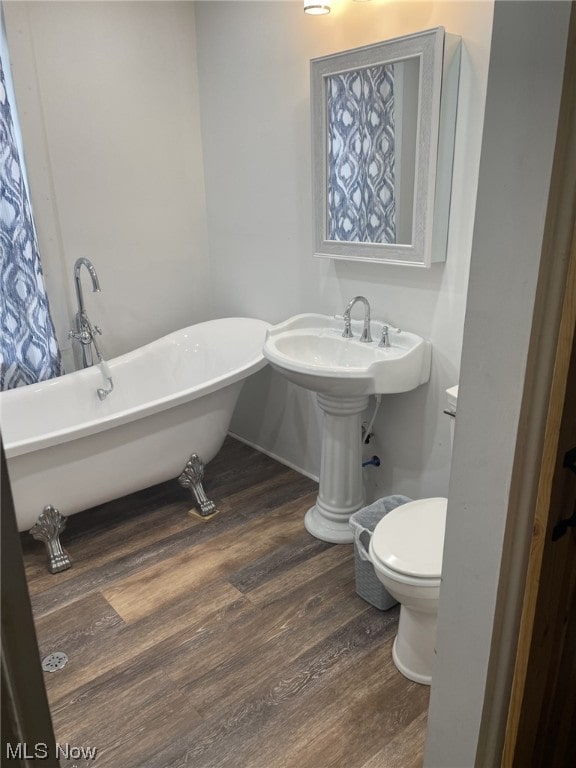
383	127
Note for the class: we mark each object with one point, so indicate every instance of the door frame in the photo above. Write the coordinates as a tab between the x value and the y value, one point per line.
551	572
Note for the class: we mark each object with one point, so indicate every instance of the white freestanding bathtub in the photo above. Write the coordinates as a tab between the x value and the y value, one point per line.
171	398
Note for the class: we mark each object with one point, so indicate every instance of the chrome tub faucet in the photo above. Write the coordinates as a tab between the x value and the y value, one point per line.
85	332
347	334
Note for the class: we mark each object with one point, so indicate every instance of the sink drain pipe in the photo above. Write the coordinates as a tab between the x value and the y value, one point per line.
368	432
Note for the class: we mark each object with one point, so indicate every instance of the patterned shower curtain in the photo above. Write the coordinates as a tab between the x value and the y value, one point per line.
361	168
28	348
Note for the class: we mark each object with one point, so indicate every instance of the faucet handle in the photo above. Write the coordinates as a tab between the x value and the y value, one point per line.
84	336
347	332
385	340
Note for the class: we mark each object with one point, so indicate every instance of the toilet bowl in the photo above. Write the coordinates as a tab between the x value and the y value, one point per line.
406	552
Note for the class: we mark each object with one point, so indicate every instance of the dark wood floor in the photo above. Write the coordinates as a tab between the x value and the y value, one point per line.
237	642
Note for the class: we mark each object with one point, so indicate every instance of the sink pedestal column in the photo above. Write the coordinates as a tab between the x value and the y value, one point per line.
341	492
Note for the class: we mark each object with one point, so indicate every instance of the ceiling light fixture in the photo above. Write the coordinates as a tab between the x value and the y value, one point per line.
317	7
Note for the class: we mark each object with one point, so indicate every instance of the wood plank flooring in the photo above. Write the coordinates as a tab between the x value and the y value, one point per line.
237	642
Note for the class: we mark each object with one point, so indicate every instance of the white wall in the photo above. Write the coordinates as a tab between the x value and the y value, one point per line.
107	96
253	61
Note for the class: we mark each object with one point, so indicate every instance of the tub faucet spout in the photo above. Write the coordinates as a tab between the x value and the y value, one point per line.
366	335
82	262
85	332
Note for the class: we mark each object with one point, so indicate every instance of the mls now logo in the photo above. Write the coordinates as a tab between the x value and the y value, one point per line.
39	751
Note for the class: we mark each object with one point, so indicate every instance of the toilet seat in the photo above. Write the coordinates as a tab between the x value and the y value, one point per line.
417	582
408	542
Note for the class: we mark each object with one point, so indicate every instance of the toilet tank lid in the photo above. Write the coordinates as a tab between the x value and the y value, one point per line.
410	538
452	397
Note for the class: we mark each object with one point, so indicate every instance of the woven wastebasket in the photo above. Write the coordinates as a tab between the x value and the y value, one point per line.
363	523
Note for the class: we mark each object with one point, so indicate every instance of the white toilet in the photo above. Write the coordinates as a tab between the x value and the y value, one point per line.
406	552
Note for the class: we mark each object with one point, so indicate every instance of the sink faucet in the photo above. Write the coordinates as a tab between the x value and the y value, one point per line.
85	332
366	335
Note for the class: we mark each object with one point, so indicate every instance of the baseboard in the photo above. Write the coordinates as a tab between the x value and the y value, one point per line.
274	456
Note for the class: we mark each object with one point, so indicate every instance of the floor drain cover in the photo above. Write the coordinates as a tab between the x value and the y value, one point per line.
54	662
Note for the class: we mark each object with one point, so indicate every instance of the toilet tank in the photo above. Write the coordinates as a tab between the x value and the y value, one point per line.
452	401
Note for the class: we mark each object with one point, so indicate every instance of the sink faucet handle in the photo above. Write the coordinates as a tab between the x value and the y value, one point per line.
385	340
347	332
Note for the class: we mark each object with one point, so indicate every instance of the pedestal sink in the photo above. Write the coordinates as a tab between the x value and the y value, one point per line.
310	351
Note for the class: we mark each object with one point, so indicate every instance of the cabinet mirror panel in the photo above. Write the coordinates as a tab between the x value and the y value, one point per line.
377	119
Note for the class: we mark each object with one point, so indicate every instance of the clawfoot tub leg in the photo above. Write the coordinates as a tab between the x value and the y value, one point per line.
191	478
48	528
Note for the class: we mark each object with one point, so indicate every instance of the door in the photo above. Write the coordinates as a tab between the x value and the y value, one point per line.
542	735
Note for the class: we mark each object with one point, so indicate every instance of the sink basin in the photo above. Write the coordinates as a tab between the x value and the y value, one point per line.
310	351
